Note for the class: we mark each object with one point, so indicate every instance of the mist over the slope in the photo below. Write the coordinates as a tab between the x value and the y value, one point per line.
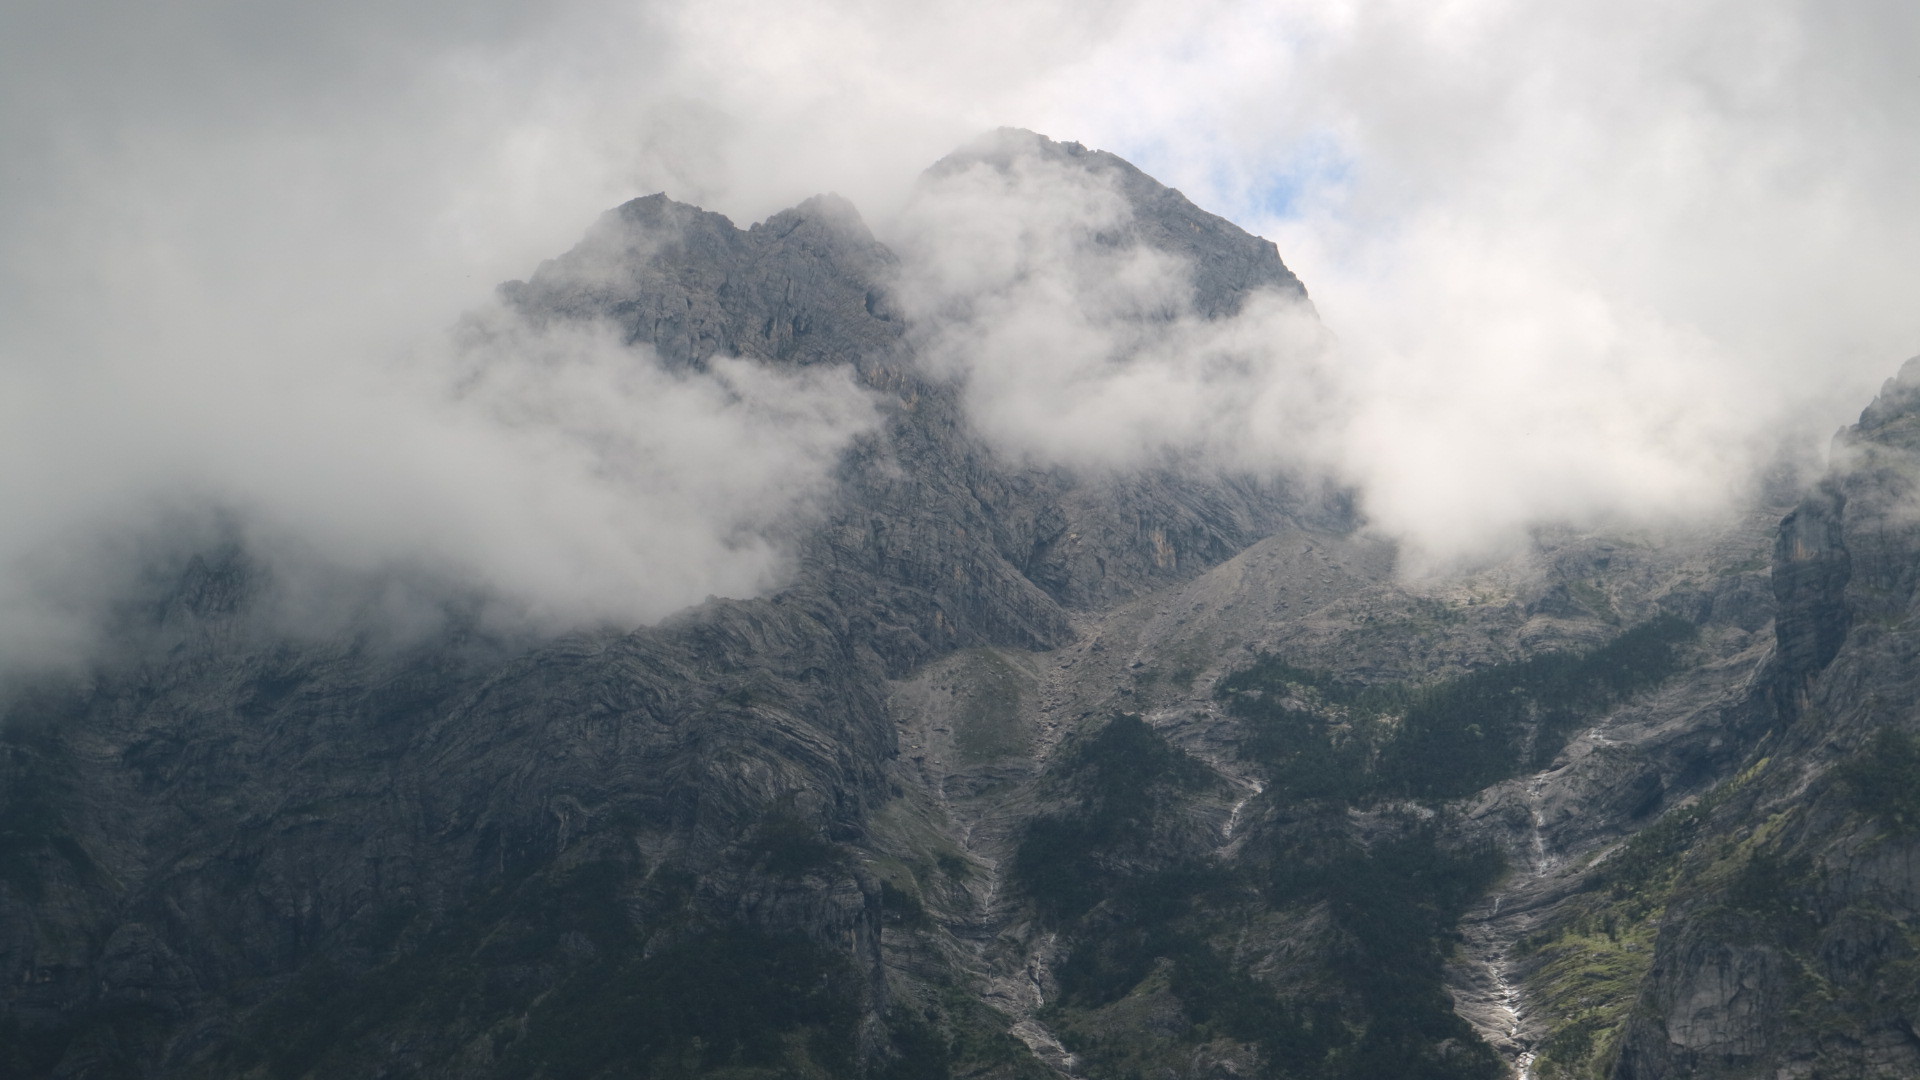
551	475
1588	261
1520	406
1080	347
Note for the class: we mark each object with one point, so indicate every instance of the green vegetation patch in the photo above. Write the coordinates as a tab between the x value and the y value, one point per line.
1322	737
1151	982
1594	958
733	1002
37	781
1883	780
1461	735
1151	979
1770	889
945	1031
1397	901
611	968
465	969
1315	734
1588	981
902	906
1068	861
556	972
1148	964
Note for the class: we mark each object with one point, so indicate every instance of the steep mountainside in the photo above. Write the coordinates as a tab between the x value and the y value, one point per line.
1791	944
1024	773
242	853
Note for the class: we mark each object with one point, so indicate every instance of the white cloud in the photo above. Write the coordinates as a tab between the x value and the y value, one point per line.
555	475
1584	260
1078	346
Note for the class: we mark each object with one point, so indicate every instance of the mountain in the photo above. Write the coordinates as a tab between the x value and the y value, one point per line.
1026	771
1788	946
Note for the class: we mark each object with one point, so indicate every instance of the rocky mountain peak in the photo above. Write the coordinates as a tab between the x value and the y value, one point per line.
1022	773
690	283
1898	400
1228	263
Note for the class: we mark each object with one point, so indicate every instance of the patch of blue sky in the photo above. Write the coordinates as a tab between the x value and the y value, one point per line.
1316	175
1286	185
1311	169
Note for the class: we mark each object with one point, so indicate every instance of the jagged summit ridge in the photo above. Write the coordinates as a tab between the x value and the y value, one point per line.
246	853
714	298
1022	774
1227	261
690	283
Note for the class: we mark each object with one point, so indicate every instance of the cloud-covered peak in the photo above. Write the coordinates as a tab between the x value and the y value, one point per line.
1226	261
1098	320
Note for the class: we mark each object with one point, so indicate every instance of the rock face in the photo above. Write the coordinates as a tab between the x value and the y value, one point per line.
1227	264
1024	773
1789	950
247	854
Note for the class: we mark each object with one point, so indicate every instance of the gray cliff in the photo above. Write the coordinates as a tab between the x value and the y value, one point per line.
1022	773
1790	948
240	854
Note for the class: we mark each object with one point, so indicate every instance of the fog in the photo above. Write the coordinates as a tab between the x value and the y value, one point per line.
1585	263
1082	346
551	476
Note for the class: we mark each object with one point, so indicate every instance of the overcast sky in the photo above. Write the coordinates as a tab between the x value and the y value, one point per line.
1584	260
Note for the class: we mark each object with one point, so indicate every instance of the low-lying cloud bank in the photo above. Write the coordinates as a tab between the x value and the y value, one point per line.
546	478
1585	261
